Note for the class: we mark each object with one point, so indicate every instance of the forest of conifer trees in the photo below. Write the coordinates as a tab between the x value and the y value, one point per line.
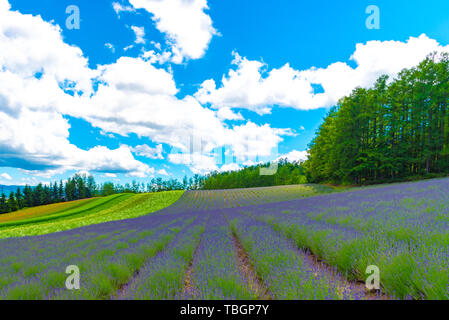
286	173
75	188
396	130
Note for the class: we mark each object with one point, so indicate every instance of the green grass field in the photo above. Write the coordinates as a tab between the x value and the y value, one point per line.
41	211
86	212
69	215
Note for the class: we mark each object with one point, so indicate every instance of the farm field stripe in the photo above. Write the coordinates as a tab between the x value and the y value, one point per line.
215	271
132	207
34	212
162	277
314	262
103	265
123	289
120	266
355	286
64	214
189	289
244	263
274	255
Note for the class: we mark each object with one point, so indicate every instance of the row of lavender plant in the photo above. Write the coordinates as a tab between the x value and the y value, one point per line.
216	274
162	277
106	254
403	229
219	199
282	267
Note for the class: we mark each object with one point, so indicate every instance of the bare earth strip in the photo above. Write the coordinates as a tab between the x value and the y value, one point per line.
189	290
244	263
120	294
347	287
189	287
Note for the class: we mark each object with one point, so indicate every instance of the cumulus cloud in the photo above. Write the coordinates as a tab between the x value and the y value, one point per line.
38	141
110	46
230	167
140	34
198	163
131	96
251	86
148	152
250	141
188	27
136	97
119	8
227	114
56	78
5	176
110	175
295	156
162	172
29	46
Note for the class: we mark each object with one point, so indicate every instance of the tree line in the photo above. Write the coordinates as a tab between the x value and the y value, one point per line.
83	186
155	185
75	188
286	173
396	130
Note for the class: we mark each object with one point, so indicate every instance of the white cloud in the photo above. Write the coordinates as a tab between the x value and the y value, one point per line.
38	141
110	46
131	75
110	175
250	141
5	176
140	34
162	172
28	45
136	97
295	156
230	167
252	87
83	173
133	96
156	57
228	114
148	152
33	132
189	29
198	163
118	8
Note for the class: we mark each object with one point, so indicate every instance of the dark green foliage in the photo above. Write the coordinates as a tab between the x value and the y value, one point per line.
287	173
12	202
4	208
393	131
78	187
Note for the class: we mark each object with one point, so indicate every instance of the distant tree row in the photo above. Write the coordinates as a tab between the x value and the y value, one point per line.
155	185
83	186
75	188
286	173
396	130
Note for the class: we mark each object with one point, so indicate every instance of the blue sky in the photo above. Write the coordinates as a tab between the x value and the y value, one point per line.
253	80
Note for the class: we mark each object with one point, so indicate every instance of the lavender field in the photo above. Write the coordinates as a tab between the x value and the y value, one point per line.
281	243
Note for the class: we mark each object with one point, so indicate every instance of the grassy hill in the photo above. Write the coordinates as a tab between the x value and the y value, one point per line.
75	214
